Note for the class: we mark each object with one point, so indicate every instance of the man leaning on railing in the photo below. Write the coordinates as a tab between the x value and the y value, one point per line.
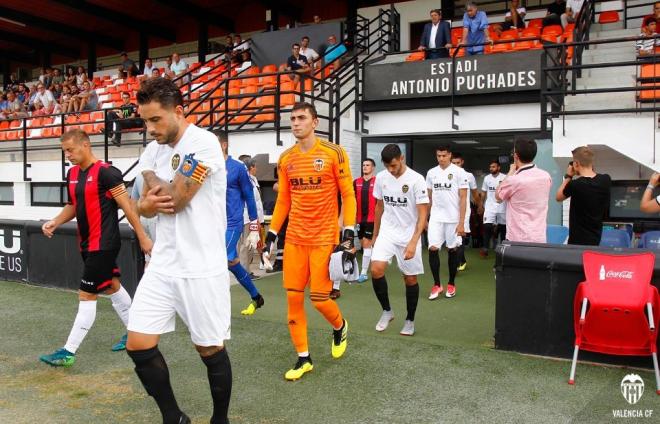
436	38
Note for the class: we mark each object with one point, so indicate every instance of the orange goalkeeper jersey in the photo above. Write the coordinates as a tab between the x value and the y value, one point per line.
308	186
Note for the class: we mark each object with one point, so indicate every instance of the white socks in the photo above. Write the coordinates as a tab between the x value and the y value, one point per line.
82	324
366	258
121	301
336	284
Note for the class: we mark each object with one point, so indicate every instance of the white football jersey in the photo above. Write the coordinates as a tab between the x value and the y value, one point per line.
489	186
400	198
191	243
445	185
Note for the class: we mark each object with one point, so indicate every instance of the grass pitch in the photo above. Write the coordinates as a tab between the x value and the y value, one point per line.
447	373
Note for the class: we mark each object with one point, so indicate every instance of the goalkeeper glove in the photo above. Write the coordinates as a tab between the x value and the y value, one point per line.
252	240
348	243
269	246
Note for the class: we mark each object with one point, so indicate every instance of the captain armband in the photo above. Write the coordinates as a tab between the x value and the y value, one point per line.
193	169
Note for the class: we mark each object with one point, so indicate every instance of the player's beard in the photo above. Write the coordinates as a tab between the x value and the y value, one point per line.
172	132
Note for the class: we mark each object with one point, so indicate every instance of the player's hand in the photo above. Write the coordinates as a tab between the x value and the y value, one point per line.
512	170
480	210
411	248
49	228
269	246
655	179
460	229
252	240
570	170
154	203
348	243
146	245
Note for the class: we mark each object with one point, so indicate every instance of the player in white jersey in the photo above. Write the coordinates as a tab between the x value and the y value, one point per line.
402	205
185	186
448	186
494	213
473	197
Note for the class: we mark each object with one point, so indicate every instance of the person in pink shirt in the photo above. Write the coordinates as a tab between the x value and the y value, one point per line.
525	190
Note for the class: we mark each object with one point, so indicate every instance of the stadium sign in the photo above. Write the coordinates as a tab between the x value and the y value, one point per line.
12	252
495	73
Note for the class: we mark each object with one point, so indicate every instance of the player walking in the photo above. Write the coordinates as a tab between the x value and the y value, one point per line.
448	186
366	206
311	174
185	186
494	213
95	190
473	196
402	205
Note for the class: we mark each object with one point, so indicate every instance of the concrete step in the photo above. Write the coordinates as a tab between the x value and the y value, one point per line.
612	81
598	101
598	73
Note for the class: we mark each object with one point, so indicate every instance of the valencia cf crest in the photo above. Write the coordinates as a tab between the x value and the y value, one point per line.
176	160
318	165
405	188
450	176
187	166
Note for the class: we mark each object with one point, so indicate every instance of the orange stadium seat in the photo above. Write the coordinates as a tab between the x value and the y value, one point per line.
287	99
4	125
509	34
501	48
15	124
415	57
555	30
649	94
269	68
608	17
535	23
96	116
264	117
650	71
531	32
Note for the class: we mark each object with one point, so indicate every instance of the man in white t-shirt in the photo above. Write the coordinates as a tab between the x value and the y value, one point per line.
448	186
650	204
494	213
402	205
184	187
473	197
311	54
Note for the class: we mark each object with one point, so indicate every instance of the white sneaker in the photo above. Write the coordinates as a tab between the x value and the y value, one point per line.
384	320
408	328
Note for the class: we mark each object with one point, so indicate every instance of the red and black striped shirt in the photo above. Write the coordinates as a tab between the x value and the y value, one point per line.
366	203
92	192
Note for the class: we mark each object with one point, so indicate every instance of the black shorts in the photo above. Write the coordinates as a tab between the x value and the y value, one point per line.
100	268
366	230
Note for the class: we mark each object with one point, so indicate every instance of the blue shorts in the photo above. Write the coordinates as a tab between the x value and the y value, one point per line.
231	243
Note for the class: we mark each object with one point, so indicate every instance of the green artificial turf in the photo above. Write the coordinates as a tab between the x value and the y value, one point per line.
447	373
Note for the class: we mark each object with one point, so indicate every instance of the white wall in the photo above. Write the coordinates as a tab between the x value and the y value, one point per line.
473	118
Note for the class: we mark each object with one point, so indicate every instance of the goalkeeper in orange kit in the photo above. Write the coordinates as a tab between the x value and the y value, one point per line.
310	176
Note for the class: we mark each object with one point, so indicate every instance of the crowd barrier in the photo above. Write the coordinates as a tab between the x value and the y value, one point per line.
27	255
535	288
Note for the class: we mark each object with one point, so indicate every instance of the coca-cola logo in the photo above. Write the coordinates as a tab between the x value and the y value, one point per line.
622	275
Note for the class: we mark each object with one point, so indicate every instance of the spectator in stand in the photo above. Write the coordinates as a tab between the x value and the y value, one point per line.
56	89
45	99
655	16
316	19
239	45
515	17
333	52
23	93
14	108
126	116
87	99
649	204
296	63
178	66
525	191
12	83
58	78
70	75
148	67
155	73
229	47
81	76
127	67
168	65
66	100
475	29
246	61
46	77
436	38
646	47
573	8
3	102
590	198
553	15
309	53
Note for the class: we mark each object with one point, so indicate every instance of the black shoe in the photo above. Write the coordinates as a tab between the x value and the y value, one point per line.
259	300
254	276
184	419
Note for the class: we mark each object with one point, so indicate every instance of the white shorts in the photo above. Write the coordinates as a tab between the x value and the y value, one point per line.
494	218
203	304
440	233
384	249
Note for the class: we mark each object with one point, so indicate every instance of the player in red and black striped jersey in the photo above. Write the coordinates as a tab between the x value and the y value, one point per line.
366	206
96	190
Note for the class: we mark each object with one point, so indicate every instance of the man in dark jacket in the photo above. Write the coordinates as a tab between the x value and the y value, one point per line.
436	38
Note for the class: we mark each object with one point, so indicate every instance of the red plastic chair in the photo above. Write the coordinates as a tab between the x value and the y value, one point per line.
616	310
608	17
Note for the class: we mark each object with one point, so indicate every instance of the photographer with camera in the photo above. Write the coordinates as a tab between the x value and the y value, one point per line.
590	198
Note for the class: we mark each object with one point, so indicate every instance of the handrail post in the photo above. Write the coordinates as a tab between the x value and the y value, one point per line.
26	165
544	86
278	115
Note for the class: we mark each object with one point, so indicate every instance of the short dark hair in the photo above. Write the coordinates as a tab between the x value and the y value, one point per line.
443	148
305	38
373	162
438	11
161	90
456	155
222	135
525	148
294	45
306	106
494	161
390	152
249	162
243	157
76	135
